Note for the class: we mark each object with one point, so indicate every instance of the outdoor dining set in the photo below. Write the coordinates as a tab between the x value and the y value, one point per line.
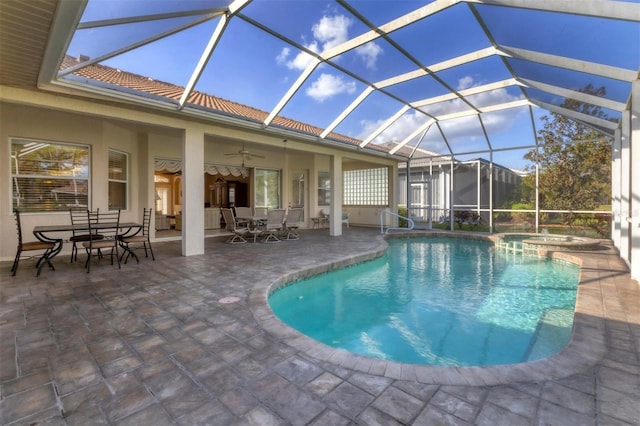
103	234
100	234
271	226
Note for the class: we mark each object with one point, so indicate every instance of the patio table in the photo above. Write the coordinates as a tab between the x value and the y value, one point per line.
255	224
43	233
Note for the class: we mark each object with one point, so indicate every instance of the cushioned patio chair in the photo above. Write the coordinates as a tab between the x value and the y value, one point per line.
45	247
238	232
274	225
140	240
243	216
324	218
293	221
345	218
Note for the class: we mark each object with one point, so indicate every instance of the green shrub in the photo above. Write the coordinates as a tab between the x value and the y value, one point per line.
403	211
521	217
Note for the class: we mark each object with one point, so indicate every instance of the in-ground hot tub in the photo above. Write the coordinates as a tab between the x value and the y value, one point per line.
529	243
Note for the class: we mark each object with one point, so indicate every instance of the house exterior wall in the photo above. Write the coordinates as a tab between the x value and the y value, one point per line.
144	136
58	126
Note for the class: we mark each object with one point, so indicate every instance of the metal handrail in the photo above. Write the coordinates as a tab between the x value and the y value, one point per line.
382	230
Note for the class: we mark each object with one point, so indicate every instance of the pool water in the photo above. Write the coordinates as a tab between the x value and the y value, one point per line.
438	301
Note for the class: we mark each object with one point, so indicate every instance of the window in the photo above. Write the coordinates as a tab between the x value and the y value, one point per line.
118	180
267	188
297	190
49	176
367	187
324	189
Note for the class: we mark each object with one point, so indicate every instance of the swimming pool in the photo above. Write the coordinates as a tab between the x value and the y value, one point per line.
438	301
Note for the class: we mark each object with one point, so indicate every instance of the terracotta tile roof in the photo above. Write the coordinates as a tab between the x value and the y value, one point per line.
149	86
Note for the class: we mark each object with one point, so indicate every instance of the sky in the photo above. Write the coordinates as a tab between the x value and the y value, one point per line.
255	68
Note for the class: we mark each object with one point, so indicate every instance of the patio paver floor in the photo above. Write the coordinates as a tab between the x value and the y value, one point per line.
153	344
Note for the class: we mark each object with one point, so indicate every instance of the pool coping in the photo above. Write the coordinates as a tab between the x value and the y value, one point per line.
579	243
586	347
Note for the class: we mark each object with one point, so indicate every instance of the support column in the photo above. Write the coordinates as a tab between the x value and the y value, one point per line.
537	218
394	193
409	197
634	193
193	192
616	178
452	194
147	187
491	192
625	188
430	194
478	194
335	209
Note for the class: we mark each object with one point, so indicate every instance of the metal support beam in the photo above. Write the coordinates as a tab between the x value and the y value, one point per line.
570	64
204	58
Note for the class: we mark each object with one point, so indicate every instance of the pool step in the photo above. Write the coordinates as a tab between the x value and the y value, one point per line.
552	334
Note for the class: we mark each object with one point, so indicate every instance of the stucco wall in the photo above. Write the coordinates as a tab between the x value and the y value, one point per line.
144	142
58	126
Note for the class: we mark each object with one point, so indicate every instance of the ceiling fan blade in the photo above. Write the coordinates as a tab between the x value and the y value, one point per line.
244	154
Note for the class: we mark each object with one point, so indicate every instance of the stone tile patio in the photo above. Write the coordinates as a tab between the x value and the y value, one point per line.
152	344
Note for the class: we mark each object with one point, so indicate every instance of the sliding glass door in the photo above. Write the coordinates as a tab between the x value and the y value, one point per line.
267	189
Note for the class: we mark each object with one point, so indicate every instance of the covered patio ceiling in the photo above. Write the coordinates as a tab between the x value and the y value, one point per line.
454	78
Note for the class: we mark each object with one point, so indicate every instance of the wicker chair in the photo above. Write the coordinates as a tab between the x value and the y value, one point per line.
48	247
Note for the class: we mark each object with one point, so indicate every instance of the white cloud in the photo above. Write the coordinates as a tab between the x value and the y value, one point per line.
328	32
328	85
457	131
369	54
283	55
332	30
300	61
465	82
397	131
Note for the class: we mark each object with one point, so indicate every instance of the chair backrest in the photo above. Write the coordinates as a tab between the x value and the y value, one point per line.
82	217
244	212
229	220
260	211
18	227
111	218
146	221
295	217
275	218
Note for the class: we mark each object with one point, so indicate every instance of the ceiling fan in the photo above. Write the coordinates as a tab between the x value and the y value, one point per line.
244	154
